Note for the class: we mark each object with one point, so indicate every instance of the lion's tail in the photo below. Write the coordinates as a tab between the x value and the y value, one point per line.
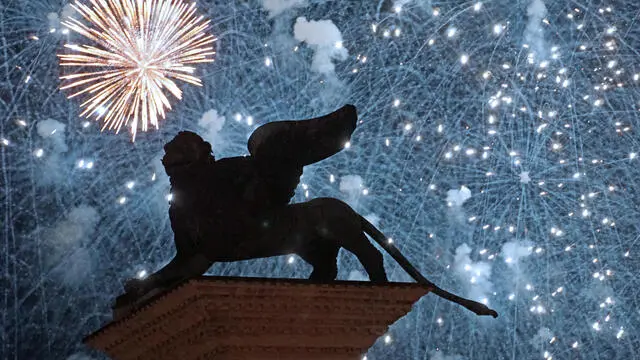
381	239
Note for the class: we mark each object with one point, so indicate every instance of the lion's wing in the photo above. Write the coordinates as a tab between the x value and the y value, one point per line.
282	148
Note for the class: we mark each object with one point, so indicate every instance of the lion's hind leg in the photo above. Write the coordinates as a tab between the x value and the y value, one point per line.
324	259
368	256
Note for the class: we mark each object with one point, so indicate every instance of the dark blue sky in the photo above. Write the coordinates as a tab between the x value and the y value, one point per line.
497	147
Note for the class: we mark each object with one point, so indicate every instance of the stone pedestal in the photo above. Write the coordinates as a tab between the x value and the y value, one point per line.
251	319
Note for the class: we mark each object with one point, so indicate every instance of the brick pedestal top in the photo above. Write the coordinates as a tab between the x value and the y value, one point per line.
257	319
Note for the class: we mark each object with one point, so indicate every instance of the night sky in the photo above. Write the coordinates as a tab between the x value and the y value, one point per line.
497	146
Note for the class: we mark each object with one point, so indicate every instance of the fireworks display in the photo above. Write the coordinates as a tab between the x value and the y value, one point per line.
140	46
498	147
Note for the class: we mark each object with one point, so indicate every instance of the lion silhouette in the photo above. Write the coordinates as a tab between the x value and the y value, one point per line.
238	208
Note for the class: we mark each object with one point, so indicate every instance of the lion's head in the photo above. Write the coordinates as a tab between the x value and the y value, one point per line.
184	151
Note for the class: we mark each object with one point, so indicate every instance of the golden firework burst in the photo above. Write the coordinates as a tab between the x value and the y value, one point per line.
139	48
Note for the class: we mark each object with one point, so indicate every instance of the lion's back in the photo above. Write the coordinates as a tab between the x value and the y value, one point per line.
327	204
325	212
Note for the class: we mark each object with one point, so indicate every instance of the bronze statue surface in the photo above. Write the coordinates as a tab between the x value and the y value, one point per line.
238	208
